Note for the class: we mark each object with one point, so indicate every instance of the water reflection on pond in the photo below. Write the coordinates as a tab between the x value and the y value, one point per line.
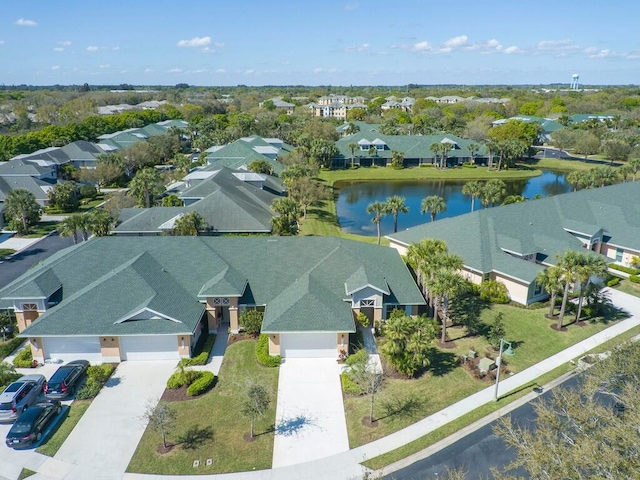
353	199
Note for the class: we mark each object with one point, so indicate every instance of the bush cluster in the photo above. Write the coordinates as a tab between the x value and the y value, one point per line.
613	281
97	376
635	278
469	165
262	353
24	359
622	268
8	347
202	384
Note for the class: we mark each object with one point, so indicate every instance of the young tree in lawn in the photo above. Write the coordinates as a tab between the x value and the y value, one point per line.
161	417
368	377
591	266
306	192
497	331
379	210
433	204
21	210
255	403
568	263
586	143
395	206
472	189
446	283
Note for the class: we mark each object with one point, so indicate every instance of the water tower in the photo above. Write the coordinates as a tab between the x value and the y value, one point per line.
575	82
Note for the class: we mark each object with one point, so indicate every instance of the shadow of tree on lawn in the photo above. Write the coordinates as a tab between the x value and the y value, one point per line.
442	362
194	436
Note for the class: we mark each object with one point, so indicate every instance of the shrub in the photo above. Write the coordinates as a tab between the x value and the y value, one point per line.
362	319
494	292
613	281
181	377
349	386
635	278
97	376
24	359
469	165
262	353
251	321
9	347
202	357
200	385
357	357
88	191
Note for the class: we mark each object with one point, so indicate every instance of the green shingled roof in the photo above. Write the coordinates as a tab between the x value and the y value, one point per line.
301	280
484	238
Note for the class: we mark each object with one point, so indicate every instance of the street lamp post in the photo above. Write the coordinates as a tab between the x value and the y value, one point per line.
508	351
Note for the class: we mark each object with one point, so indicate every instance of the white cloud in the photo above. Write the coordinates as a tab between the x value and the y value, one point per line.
357	48
64	43
149	70
251	71
2	42
602	54
218	44
512	49
92	48
58	49
221	70
55	67
456	42
351	6
115	49
106	65
208	50
317	70
195	42
124	71
422	47
175	70
22	22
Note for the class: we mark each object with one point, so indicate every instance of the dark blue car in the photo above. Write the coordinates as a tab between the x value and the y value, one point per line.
27	429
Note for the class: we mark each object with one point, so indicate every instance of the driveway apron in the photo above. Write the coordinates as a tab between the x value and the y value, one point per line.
107	435
310	422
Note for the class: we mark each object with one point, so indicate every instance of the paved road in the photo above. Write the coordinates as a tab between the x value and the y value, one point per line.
476	453
18	264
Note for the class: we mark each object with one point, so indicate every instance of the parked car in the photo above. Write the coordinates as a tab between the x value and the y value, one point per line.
29	426
20	395
63	383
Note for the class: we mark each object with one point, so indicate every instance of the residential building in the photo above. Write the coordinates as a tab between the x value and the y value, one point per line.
375	148
280	104
513	243
112	299
547	125
240	154
229	201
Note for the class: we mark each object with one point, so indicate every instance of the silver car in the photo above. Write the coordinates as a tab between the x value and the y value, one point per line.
19	396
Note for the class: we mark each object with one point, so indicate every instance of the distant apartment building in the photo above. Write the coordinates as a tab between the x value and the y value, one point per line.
336	106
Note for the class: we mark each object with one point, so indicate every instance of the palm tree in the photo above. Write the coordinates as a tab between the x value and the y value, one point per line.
352	148
550	280
575	179
590	265
634	163
568	263
434	205
379	210
473	190
473	148
21	210
190	224
445	284
100	222
422	256
493	192
69	228
146	185
603	176
396	205
436	148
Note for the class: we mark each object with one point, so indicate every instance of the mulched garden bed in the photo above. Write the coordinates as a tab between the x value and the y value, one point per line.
176	394
238	337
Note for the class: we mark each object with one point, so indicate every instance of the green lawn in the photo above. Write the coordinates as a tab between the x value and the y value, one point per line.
25	473
531	336
41	229
456	425
629	287
557	164
217	425
91	205
53	444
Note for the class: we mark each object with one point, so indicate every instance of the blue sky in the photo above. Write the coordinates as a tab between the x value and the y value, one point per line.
321	42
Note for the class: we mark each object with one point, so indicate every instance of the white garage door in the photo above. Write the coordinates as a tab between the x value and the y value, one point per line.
150	347
73	348
308	345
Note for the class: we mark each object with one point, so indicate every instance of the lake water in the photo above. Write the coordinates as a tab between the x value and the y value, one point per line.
353	199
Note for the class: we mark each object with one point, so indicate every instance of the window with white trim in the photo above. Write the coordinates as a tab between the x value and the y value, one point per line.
29	307
619	254
368	303
221	301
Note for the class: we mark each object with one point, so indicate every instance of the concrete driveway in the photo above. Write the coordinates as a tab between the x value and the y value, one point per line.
104	440
310	422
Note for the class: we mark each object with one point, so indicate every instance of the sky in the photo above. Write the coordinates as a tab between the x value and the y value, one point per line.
318	42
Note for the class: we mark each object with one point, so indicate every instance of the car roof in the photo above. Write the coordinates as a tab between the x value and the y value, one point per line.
36	377
31	414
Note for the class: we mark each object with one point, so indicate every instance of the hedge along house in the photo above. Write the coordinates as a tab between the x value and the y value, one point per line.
133	298
513	243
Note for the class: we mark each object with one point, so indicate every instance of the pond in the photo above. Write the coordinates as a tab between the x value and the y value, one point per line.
353	199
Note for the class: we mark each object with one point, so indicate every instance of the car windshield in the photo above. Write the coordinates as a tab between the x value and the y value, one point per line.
21	427
5	406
